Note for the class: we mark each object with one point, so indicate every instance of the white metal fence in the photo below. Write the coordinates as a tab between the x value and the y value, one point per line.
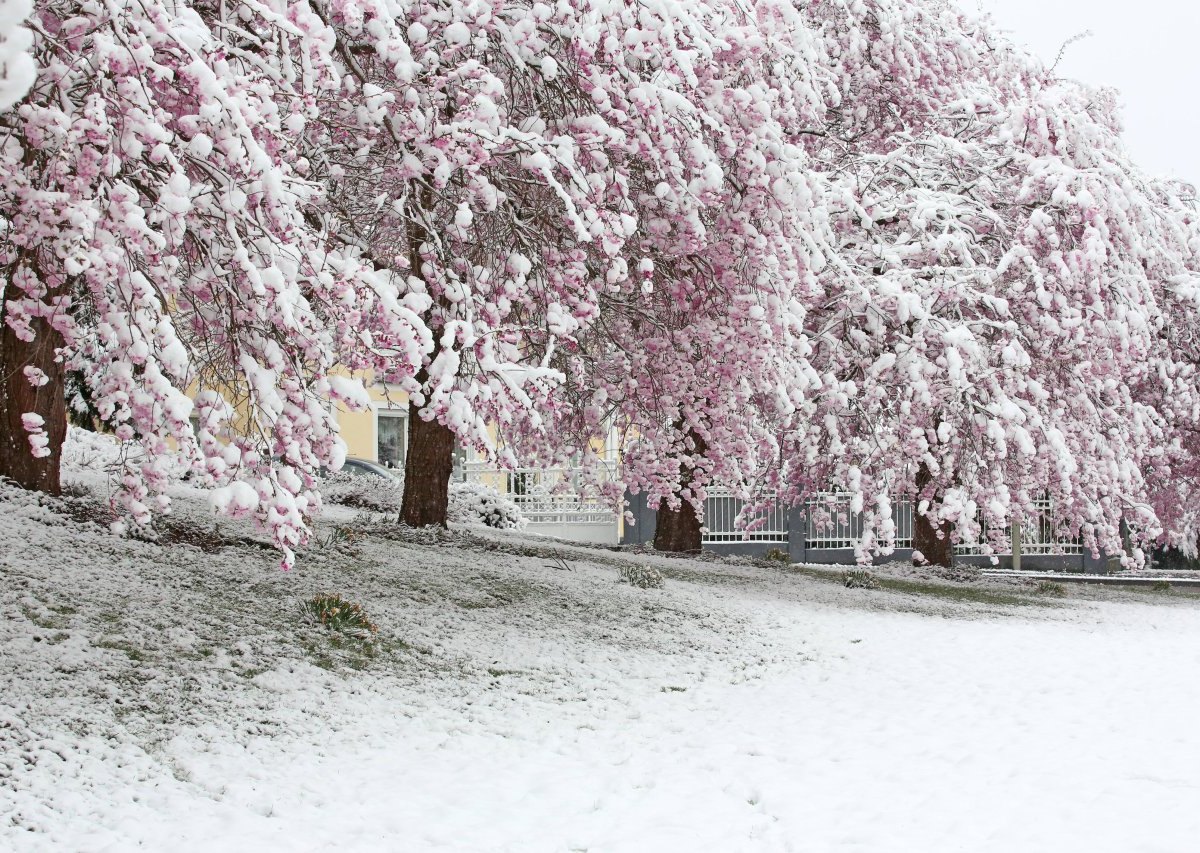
571	502
831	523
551	496
1040	537
723	521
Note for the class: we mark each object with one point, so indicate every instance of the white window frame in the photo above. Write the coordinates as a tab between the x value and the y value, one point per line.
387	409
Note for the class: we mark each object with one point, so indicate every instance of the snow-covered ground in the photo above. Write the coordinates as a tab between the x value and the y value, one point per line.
170	697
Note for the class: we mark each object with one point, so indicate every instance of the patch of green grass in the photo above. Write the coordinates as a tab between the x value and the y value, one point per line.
497	672
1161	586
480	604
110	617
499	591
250	672
333	651
49	621
1051	588
118	645
343	537
709	578
961	593
321	658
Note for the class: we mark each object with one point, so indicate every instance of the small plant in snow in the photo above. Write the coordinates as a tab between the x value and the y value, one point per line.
338	614
341	537
643	577
1051	588
859	579
1161	586
777	555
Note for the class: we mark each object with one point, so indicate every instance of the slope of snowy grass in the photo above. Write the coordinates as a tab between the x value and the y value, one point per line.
170	696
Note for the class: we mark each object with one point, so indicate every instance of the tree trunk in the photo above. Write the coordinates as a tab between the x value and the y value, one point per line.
677	531
429	461
932	541
19	397
427	468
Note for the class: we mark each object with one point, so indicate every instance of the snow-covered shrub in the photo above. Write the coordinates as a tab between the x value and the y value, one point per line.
338	614
363	491
859	579
643	577
474	503
777	555
85	450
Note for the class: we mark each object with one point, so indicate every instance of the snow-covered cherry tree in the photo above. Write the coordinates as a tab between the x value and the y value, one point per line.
472	160
995	300
158	234
686	353
1171	383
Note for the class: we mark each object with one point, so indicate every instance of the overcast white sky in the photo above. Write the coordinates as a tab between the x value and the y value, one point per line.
1148	49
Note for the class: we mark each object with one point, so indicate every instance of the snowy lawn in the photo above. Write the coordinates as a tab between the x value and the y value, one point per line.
171	697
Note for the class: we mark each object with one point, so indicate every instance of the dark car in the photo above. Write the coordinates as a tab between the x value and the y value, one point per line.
365	467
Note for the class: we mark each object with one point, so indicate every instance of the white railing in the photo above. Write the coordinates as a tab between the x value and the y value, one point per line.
723	522
564	509
832	523
550	495
1040	537
902	515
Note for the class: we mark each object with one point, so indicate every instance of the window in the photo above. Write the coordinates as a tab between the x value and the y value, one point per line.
391	442
460	461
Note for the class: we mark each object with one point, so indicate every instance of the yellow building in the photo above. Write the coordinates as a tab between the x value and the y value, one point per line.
379	433
555	501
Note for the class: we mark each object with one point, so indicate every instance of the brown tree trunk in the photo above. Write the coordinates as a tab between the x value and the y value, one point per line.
677	531
932	541
427	468
429	460
18	397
